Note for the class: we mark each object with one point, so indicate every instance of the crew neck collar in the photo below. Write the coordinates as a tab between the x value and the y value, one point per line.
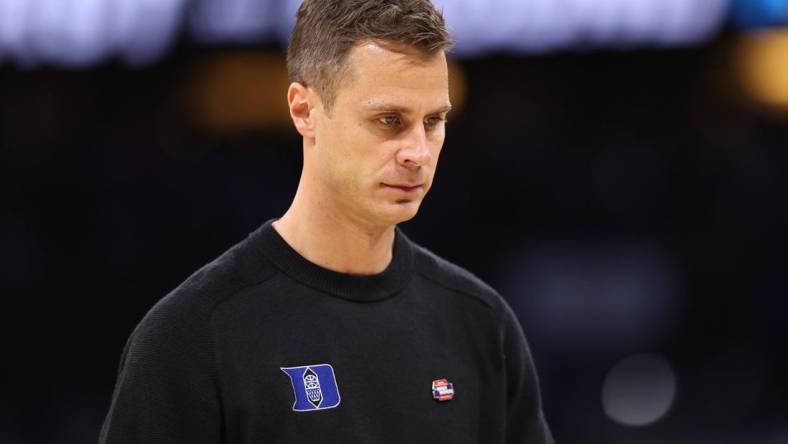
363	288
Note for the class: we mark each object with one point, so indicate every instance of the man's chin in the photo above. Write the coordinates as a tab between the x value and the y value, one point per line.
400	211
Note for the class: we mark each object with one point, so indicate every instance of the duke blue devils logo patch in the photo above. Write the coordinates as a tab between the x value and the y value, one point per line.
315	387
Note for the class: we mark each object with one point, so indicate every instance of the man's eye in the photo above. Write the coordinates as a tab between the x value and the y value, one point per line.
433	121
389	120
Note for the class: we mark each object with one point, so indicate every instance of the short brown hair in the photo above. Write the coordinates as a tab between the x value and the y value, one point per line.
326	31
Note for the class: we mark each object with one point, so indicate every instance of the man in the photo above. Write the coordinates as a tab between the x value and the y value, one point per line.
328	324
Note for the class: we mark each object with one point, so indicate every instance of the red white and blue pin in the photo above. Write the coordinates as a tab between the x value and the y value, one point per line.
442	390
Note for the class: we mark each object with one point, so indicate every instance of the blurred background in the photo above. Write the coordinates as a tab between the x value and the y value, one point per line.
616	168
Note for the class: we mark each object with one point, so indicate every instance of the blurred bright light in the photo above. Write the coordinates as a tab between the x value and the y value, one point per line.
548	25
233	20
639	390
763	67
145	28
86	32
240	91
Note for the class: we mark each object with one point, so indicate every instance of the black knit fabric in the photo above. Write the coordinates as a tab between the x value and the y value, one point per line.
205	365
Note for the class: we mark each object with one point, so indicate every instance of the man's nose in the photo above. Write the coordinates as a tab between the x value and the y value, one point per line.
415	151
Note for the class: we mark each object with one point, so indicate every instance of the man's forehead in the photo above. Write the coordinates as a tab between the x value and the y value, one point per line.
382	63
380	79
392	50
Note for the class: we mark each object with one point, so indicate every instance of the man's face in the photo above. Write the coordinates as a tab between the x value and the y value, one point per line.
375	153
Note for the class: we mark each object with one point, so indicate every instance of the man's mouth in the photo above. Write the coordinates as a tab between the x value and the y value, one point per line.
405	188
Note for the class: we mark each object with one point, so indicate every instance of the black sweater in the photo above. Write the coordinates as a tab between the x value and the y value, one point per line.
263	346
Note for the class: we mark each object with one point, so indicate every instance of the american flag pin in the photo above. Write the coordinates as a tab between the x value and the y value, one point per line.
442	390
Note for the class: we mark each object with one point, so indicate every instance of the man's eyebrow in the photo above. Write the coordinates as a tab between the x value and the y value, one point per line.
401	109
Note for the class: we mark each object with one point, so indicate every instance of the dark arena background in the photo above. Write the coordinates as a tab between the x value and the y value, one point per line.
616	169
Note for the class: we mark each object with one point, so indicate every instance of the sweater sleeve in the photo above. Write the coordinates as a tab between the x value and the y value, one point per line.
525	422
167	388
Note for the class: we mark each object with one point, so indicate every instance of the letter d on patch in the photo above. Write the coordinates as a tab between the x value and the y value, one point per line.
314	386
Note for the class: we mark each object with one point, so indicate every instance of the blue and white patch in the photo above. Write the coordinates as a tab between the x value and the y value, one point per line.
314	386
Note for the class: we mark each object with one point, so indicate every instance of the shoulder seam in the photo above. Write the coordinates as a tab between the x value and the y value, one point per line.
435	260
235	293
456	289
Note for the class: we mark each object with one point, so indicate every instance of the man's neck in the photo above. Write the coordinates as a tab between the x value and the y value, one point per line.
334	241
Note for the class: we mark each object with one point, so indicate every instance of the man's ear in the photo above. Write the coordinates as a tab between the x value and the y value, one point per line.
301	101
